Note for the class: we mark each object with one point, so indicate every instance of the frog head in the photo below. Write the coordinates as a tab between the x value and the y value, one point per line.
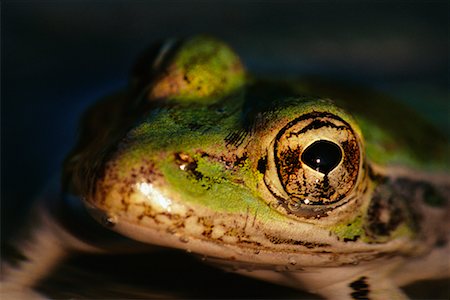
199	155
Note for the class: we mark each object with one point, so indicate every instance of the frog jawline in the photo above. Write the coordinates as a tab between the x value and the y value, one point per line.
246	255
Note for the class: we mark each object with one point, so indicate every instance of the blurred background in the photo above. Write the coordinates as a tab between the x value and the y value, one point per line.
58	57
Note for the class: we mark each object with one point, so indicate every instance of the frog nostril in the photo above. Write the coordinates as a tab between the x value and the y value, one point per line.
322	156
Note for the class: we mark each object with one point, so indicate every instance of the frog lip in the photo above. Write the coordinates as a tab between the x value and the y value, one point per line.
269	254
152	232
259	258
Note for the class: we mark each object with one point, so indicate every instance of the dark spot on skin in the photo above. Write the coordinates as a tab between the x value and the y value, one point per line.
190	165
366	188
227	161
441	242
393	203
353	239
248	242
431	196
310	245
376	177
207	233
361	289
208	226
240	160
385	212
325	187
413	191
262	162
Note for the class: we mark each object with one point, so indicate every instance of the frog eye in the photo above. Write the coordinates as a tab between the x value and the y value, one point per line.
313	162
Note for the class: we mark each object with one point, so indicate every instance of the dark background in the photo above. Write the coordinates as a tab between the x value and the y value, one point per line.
59	57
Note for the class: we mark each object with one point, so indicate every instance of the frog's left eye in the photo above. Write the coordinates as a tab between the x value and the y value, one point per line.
313	162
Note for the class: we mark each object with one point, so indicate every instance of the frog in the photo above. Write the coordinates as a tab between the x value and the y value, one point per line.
304	183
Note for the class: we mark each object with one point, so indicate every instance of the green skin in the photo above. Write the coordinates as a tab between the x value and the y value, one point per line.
190	165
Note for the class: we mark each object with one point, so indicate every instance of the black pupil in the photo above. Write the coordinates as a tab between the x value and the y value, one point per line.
322	156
